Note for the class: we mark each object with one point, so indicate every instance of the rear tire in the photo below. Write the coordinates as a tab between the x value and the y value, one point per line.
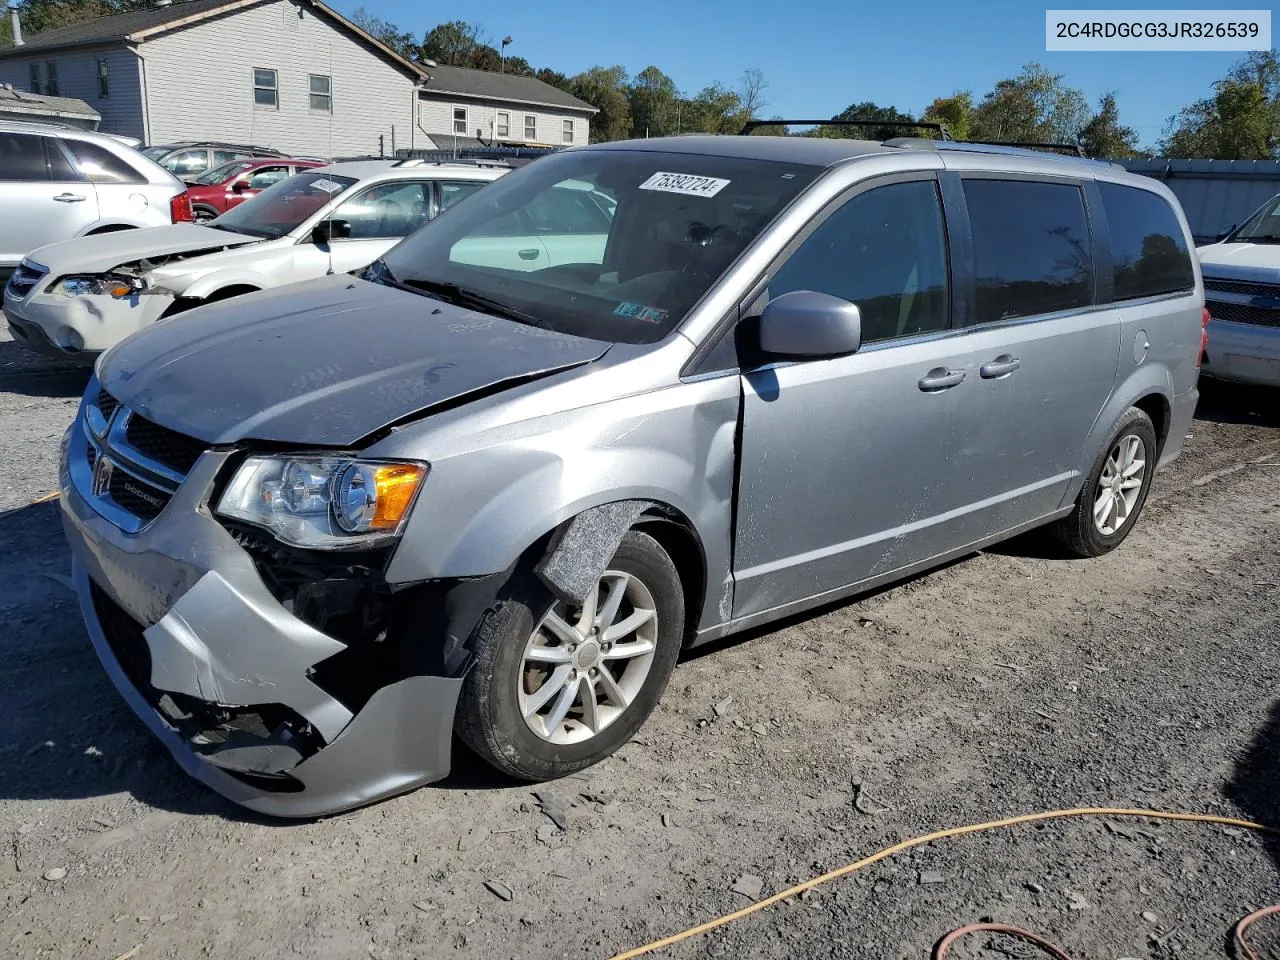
1109	502
507	712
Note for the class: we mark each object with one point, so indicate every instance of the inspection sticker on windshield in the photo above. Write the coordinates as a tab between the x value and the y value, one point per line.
685	183
638	311
328	186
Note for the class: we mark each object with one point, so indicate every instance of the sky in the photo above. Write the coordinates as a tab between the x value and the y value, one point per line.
819	56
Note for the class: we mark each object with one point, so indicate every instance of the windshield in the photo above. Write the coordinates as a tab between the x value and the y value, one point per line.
283	206
220	174
614	245
1263	226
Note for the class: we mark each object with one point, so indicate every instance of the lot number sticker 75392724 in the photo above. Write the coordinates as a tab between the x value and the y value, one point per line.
685	183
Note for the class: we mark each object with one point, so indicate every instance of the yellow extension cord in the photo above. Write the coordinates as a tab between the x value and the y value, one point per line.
930	838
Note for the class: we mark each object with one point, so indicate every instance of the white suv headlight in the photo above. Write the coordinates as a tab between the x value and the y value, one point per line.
324	502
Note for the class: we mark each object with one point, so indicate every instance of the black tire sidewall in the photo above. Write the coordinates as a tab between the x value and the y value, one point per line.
489	713
1137	423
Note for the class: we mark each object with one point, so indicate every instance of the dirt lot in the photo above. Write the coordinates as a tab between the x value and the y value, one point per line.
1008	683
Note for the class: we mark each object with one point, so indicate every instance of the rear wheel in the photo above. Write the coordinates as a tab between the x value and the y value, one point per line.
558	687
1114	492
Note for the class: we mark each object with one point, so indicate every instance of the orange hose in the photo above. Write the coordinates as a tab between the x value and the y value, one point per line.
1243	950
945	943
930	838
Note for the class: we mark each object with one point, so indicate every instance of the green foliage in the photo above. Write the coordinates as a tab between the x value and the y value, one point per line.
1035	106
955	112
871	112
1105	136
40	15
1241	121
605	88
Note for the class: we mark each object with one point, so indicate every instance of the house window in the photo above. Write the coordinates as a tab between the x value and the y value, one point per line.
503	126
567	135
104	86
36	78
530	127
265	88
44	77
321	93
460	120
51	77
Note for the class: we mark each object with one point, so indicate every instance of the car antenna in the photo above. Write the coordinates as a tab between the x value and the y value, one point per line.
329	216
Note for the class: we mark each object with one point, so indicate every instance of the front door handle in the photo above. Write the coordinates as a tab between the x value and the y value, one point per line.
69	198
940	378
528	254
1001	366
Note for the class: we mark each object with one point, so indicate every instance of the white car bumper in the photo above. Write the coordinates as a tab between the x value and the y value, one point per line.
79	326
1243	352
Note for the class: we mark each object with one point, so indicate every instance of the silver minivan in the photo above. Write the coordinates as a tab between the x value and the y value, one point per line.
57	183
320	529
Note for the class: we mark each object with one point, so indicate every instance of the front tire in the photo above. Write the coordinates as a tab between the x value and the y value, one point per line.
557	687
1115	490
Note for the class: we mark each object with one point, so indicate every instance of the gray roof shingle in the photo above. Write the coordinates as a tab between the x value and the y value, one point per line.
500	86
111	29
19	101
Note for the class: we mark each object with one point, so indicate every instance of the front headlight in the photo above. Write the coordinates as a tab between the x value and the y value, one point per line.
106	284
325	502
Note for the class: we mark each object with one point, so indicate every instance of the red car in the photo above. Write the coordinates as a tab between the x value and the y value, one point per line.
216	191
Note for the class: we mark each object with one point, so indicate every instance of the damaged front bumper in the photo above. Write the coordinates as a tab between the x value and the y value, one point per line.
249	698
83	325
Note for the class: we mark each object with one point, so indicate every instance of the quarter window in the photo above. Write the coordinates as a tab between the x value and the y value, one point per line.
451	191
459	120
22	157
1148	248
1031	247
530	127
321	93
884	250
503	124
567	134
100	165
266	91
104	82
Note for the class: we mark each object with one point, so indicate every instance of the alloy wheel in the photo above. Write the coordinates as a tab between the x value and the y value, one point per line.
1120	484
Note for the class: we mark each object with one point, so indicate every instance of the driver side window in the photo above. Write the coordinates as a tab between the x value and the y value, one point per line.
884	250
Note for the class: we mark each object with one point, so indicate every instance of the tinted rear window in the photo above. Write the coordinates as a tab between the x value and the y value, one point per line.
1031	247
100	165
1147	244
22	157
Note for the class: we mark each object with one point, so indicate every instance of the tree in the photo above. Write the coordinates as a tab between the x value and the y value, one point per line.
652	96
1241	121
715	109
955	112
1104	136
1034	107
554	78
38	15
868	111
751	88
605	88
386	32
456	43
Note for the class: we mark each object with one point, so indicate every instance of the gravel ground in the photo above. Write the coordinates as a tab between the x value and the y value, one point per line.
1011	682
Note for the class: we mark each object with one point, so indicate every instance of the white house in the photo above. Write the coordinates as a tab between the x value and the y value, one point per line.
290	74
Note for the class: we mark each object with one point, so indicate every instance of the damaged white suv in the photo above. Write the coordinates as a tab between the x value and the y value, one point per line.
79	297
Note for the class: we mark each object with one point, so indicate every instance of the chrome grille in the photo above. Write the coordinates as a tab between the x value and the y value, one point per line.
1243	313
175	450
1243	286
24	280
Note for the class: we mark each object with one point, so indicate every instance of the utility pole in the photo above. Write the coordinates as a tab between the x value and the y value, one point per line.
503	54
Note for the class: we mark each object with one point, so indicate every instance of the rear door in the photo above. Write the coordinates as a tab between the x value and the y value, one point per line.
114	180
1046	344
42	198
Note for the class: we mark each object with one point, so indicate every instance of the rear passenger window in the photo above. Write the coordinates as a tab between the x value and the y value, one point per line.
1147	244
101	165
22	157
1031	247
884	250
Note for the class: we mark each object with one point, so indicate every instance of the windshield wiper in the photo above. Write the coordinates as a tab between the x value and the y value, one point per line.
470	299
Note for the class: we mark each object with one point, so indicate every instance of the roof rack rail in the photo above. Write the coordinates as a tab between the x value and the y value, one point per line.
1062	151
457	161
751	125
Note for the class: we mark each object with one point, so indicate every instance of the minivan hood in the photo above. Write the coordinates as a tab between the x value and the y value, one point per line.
325	362
1241	261
104	251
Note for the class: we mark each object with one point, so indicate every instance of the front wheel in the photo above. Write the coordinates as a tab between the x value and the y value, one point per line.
1115	490
558	687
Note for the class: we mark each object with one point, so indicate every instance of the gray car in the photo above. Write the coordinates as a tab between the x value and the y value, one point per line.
57	183
319	530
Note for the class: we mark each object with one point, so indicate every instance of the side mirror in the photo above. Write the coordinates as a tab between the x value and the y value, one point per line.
327	230
808	325
240	186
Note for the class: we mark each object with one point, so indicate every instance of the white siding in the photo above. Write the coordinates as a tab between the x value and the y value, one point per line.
200	84
435	114
78	77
